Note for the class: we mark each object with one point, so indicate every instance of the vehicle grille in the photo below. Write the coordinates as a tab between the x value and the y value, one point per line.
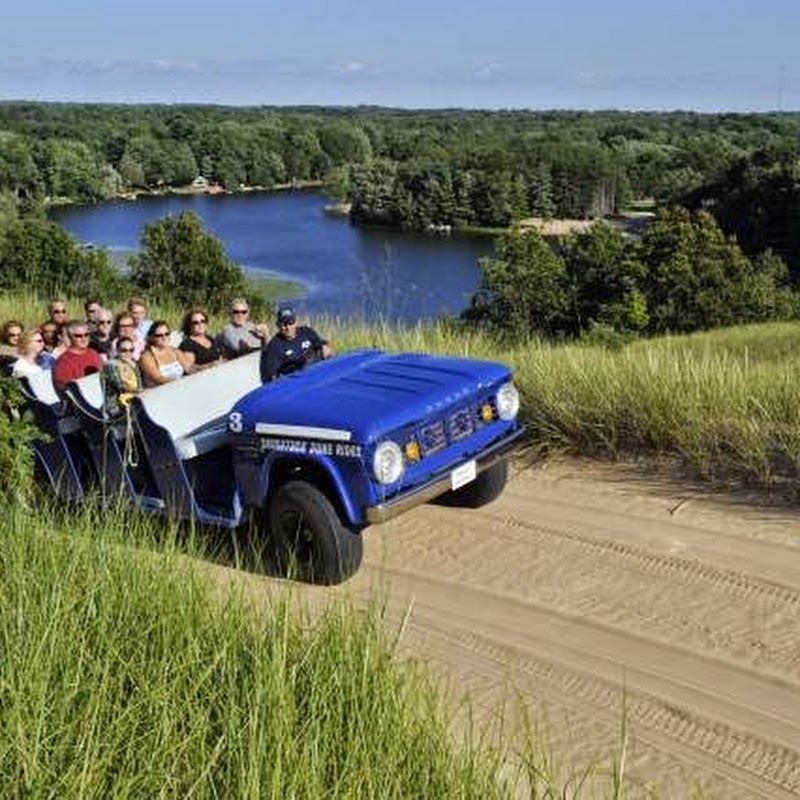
435	436
460	425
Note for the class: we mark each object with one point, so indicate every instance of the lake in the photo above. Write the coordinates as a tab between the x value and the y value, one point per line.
344	269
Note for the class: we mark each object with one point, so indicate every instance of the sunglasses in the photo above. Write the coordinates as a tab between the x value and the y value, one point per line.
80	335
240	311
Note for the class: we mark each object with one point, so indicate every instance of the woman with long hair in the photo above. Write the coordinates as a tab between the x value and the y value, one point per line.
30	360
160	362
197	341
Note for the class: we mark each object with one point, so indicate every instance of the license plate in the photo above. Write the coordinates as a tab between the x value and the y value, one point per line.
462	475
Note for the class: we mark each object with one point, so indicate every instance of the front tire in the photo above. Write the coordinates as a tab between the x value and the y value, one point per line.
309	539
486	487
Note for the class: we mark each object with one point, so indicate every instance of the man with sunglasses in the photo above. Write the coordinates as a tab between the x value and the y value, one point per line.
292	347
100	338
78	359
56	313
240	336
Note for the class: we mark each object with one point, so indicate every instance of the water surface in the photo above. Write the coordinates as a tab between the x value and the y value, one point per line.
344	269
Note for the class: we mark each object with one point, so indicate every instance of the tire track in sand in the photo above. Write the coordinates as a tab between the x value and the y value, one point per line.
570	611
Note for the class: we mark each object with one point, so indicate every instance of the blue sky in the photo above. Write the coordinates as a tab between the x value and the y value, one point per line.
702	55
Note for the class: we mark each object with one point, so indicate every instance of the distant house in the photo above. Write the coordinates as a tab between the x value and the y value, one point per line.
200	183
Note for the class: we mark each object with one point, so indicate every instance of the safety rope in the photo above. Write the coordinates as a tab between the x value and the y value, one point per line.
130	455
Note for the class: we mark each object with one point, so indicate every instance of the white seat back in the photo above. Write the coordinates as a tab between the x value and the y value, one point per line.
90	390
41	386
194	401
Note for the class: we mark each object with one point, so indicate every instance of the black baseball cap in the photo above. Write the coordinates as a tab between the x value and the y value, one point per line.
286	316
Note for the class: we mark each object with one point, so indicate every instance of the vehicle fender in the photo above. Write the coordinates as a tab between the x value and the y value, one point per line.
339	481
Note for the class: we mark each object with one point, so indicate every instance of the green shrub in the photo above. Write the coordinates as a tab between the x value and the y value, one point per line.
16	435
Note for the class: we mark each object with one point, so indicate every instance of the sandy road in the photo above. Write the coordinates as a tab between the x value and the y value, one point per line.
582	580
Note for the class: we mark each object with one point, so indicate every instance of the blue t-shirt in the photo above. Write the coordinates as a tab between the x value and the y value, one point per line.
283	356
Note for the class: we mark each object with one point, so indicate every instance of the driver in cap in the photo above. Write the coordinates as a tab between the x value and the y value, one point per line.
292	347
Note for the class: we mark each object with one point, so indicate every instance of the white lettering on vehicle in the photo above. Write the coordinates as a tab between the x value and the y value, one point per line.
304	446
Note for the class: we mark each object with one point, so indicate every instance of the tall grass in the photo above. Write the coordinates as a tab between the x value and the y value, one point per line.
724	402
124	674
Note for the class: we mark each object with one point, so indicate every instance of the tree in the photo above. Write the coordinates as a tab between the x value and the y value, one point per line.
72	169
18	171
41	255
345	143
182	262
698	278
604	279
524	289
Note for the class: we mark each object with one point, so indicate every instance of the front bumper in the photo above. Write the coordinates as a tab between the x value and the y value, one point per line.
441	484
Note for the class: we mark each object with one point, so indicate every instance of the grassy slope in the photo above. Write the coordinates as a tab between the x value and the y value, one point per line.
122	675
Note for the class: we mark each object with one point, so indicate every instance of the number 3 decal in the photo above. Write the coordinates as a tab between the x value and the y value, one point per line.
235	422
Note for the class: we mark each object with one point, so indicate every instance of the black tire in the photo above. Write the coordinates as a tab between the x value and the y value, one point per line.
486	487
309	539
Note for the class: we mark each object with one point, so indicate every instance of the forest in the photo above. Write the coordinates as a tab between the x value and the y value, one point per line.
727	188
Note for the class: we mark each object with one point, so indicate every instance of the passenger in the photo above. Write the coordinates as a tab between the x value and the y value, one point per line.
10	336
100	338
91	310
9	343
30	349
196	340
79	359
53	340
121	377
292	347
125	325
240	336
161	362
56	313
137	308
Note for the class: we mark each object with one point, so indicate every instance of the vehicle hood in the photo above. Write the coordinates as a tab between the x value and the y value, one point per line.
367	393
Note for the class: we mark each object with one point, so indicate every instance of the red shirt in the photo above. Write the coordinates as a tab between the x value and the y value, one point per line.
74	364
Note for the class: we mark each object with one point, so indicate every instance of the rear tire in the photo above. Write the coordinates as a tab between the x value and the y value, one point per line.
486	487
309	539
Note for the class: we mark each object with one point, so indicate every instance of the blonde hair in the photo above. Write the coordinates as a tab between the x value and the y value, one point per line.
26	340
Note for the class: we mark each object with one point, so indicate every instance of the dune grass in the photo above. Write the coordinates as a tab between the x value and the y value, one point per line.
124	674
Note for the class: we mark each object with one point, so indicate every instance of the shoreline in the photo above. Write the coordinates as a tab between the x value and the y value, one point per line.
211	189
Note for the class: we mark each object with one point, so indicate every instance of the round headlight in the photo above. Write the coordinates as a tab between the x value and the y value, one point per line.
387	463
507	400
